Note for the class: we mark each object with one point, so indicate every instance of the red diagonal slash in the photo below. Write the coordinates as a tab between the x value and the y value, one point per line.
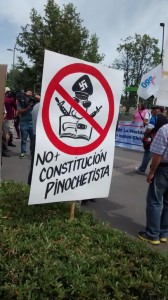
79	109
55	86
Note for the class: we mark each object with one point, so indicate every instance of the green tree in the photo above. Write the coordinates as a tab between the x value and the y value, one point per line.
137	55
23	77
59	30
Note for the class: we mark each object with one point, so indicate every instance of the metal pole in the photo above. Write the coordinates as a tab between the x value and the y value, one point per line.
161	56
13	76
13	66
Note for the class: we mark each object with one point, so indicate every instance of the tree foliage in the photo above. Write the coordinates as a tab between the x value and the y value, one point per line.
23	76
138	55
59	30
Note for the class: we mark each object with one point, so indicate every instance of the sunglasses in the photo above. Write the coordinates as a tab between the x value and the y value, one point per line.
85	103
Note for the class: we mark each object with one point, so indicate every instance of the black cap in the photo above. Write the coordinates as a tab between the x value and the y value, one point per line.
83	86
156	107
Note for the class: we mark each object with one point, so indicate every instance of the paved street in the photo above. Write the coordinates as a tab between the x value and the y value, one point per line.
125	206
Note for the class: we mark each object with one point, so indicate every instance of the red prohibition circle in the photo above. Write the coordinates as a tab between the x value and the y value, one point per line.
53	86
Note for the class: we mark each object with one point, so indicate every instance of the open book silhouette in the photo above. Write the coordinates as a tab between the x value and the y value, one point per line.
74	128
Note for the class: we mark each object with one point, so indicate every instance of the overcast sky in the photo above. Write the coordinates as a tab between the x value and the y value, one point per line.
111	20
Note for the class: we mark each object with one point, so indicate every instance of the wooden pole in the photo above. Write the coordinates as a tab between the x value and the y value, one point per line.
3	70
72	211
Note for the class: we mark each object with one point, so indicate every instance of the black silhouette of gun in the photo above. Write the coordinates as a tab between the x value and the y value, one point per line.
95	112
61	107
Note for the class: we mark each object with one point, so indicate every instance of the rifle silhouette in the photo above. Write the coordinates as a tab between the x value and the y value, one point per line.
95	112
66	113
61	107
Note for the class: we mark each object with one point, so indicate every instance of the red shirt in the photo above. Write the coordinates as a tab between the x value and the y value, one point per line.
10	105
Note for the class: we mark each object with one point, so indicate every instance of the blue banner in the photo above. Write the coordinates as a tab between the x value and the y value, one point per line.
129	135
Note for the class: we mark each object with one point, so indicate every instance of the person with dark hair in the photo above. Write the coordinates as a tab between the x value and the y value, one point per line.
25	104
157	121
139	114
142	106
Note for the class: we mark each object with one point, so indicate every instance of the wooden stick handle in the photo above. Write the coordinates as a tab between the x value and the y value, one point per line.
72	212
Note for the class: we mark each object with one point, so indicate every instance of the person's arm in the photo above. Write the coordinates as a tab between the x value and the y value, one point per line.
158	148
148	130
151	125
156	159
23	110
37	97
147	118
4	112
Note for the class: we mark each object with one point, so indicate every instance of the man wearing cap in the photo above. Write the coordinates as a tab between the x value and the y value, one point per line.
83	89
72	123
157	121
157	196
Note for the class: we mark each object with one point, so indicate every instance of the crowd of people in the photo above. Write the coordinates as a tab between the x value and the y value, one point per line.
156	230
152	124
17	114
20	112
155	142
9	123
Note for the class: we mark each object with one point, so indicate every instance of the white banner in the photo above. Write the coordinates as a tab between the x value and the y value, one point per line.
75	134
165	57
150	83
162	98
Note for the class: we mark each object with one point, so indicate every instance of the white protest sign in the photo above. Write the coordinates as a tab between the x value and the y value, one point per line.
75	133
150	83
